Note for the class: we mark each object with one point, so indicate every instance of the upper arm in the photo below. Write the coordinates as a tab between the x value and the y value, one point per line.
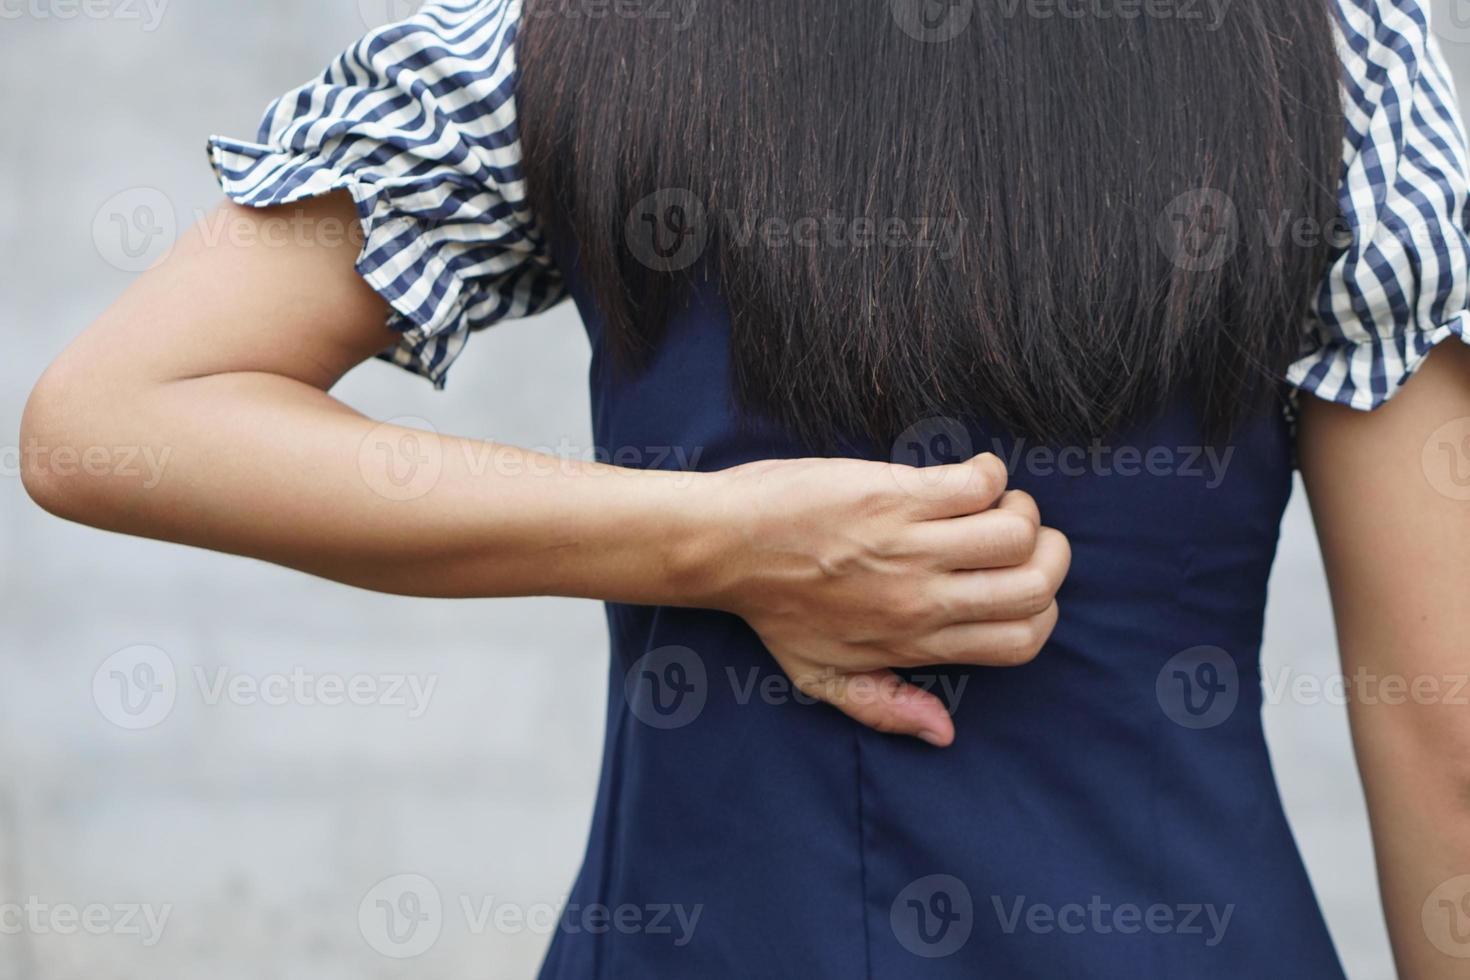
1390	494
1390	517
242	292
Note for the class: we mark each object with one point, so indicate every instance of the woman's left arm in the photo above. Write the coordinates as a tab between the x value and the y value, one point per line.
1390	493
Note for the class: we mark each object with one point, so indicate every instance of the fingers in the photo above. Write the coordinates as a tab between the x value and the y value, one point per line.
959	488
1020	503
998	538
884	702
1015	592
1001	644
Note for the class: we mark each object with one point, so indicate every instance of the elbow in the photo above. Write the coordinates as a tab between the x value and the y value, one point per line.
65	465
1454	742
1428	741
41	426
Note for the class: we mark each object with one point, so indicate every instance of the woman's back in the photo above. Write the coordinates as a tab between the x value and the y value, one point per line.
1106	810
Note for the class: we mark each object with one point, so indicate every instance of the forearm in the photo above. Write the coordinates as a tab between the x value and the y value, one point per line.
273	468
1417	788
1406	666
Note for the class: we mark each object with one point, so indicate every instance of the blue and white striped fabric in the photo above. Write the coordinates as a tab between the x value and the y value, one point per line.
417	120
1403	284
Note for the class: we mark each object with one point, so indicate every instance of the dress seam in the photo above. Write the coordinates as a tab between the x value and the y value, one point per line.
862	837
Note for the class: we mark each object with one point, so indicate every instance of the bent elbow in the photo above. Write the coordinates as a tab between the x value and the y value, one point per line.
1426	738
40	425
63	436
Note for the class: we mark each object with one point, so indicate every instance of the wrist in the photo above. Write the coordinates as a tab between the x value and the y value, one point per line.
705	554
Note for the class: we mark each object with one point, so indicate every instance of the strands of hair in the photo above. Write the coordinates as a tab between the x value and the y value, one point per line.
1054	223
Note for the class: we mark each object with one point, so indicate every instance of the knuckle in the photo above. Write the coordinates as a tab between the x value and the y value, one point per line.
902	617
1035	591
808	685
886	546
1015	535
1056	539
914	611
1044	624
1023	645
884	722
988	474
1030	638
878	498
1022	503
917	652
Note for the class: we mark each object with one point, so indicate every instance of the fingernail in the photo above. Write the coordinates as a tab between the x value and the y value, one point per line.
933	738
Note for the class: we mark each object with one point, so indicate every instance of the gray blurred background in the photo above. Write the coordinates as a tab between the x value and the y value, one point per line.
260	825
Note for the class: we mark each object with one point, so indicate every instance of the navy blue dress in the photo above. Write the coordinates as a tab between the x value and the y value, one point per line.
1106	811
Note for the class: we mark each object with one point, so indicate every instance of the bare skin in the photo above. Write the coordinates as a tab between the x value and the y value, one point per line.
1397	549
222	356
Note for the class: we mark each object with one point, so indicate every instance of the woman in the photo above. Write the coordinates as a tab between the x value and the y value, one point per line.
826	253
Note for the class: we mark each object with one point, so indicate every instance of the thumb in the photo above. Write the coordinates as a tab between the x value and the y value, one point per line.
885	702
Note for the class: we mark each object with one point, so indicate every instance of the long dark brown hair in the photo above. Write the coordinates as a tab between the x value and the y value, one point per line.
1058	215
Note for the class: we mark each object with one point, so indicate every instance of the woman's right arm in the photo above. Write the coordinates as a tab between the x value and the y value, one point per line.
216	365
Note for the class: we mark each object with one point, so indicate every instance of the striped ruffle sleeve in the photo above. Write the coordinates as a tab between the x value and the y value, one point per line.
417	122
1402	285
